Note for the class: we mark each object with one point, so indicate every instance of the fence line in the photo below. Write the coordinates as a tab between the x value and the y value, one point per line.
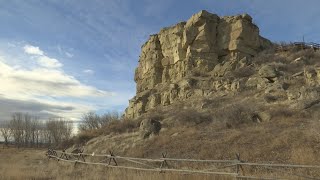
294	174
260	178
146	169
236	164
148	159
200	160
280	165
109	156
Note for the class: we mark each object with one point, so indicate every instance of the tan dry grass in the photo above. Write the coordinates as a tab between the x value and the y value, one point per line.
32	164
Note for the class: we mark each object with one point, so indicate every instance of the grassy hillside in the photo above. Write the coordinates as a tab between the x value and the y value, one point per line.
262	124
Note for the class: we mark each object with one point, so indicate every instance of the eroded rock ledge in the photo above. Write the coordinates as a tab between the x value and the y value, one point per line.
205	44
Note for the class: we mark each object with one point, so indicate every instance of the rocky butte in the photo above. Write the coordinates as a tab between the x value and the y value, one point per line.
204	46
212	87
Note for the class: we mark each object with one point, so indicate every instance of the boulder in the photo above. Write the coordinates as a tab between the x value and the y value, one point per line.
257	82
149	127
312	76
221	69
268	71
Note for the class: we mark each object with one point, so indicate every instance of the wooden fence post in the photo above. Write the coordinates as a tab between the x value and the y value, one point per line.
112	158
164	162
239	166
80	155
63	154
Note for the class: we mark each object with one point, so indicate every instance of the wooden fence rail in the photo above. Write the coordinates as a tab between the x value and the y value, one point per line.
236	166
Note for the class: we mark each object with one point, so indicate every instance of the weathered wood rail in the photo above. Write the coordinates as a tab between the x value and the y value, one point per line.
232	168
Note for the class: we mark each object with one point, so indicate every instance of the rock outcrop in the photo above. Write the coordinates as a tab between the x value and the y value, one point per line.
207	45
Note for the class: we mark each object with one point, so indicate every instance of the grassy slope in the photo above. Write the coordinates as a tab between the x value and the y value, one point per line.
291	136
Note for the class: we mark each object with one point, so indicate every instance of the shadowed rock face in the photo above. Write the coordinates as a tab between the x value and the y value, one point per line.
202	43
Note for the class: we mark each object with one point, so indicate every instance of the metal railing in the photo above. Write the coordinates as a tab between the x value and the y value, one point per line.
299	45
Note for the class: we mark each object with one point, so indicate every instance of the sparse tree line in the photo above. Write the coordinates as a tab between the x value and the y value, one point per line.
25	130
93	121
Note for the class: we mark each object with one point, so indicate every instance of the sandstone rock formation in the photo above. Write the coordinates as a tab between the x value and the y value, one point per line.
207	45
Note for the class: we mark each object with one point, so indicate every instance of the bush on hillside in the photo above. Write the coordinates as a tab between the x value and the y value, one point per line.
237	114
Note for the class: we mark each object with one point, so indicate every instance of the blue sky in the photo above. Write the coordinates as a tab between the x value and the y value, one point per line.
66	57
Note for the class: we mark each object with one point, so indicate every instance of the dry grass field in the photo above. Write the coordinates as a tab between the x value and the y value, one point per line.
16	164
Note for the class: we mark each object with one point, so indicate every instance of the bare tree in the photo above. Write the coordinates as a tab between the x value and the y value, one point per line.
28	130
109	117
17	128
5	132
91	120
35	131
59	130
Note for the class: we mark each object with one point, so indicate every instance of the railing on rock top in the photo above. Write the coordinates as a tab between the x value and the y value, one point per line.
299	45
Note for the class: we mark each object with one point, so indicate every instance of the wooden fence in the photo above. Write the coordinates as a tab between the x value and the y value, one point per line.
232	168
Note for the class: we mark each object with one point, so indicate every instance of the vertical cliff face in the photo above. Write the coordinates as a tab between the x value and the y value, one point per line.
205	43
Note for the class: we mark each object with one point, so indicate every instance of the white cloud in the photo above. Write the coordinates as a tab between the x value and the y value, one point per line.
44	87
22	83
42	59
47	62
33	50
88	71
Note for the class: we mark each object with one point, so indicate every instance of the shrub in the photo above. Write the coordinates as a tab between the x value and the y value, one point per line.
121	126
91	120
86	136
281	112
263	58
199	73
237	114
270	98
190	116
243	72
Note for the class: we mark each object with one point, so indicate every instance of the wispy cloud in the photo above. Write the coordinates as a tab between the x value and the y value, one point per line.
88	71
64	52
69	55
